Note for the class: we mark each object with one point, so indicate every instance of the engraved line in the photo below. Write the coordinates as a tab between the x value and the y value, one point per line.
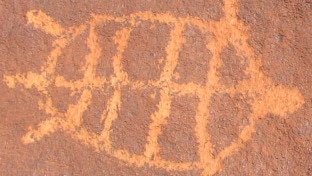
159	117
111	113
44	22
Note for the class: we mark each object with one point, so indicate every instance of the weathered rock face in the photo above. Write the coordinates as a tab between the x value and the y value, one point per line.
156	88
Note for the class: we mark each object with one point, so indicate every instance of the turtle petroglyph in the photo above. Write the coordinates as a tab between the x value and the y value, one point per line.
265	97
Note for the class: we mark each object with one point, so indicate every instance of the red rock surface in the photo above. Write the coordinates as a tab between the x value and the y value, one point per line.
156	87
